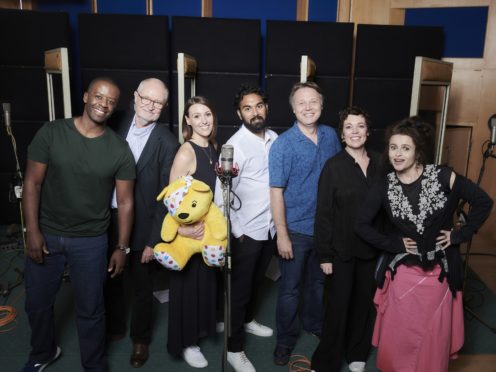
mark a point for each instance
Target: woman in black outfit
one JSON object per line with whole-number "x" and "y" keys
{"x": 419, "y": 324}
{"x": 193, "y": 291}
{"x": 347, "y": 261}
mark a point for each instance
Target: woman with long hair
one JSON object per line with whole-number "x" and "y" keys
{"x": 193, "y": 291}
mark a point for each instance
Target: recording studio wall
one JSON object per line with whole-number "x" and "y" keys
{"x": 24, "y": 37}
{"x": 227, "y": 52}
{"x": 384, "y": 65}
{"x": 329, "y": 45}
{"x": 127, "y": 48}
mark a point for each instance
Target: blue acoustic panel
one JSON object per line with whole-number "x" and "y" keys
{"x": 255, "y": 9}
{"x": 460, "y": 42}
{"x": 178, "y": 8}
{"x": 322, "y": 10}
{"x": 122, "y": 6}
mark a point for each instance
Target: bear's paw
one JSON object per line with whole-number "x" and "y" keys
{"x": 213, "y": 255}
{"x": 167, "y": 261}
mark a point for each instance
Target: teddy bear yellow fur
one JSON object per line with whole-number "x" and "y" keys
{"x": 189, "y": 201}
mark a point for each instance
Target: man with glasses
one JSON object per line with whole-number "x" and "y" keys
{"x": 154, "y": 148}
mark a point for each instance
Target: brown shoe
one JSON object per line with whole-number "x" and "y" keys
{"x": 139, "y": 355}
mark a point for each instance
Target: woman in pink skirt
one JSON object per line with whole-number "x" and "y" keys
{"x": 419, "y": 324}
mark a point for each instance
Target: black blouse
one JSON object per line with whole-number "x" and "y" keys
{"x": 342, "y": 189}
{"x": 434, "y": 211}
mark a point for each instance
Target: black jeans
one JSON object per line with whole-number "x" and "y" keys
{"x": 249, "y": 259}
{"x": 141, "y": 277}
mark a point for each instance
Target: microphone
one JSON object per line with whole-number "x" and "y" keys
{"x": 226, "y": 170}
{"x": 6, "y": 114}
{"x": 226, "y": 159}
{"x": 492, "y": 126}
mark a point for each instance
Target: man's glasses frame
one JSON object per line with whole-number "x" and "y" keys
{"x": 147, "y": 101}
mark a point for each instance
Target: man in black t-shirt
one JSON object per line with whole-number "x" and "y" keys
{"x": 73, "y": 165}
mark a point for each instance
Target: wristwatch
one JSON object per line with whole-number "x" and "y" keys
{"x": 123, "y": 248}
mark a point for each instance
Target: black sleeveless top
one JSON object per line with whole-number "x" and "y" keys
{"x": 204, "y": 170}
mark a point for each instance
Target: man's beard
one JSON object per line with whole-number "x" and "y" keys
{"x": 256, "y": 124}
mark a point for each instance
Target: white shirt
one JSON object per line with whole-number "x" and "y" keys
{"x": 137, "y": 139}
{"x": 250, "y": 214}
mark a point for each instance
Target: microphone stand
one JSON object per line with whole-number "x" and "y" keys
{"x": 225, "y": 178}
{"x": 19, "y": 187}
{"x": 487, "y": 154}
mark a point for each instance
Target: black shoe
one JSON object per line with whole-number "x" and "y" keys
{"x": 281, "y": 355}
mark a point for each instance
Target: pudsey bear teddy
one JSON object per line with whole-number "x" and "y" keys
{"x": 189, "y": 201}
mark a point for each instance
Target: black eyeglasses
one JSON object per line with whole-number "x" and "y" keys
{"x": 147, "y": 101}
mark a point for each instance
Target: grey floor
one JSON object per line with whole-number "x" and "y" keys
{"x": 14, "y": 338}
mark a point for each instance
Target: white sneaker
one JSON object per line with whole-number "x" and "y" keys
{"x": 194, "y": 357}
{"x": 240, "y": 362}
{"x": 258, "y": 329}
{"x": 357, "y": 366}
{"x": 219, "y": 327}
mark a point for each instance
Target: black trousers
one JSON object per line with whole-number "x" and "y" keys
{"x": 349, "y": 315}
{"x": 141, "y": 277}
{"x": 249, "y": 261}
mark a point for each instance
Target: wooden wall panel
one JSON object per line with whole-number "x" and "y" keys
{"x": 490, "y": 45}
{"x": 457, "y": 142}
{"x": 410, "y": 4}
{"x": 370, "y": 12}
{"x": 302, "y": 10}
{"x": 464, "y": 96}
{"x": 14, "y": 4}
{"x": 207, "y": 8}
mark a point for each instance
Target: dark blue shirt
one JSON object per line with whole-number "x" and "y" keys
{"x": 295, "y": 163}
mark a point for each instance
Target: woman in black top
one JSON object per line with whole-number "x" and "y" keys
{"x": 347, "y": 261}
{"x": 419, "y": 323}
{"x": 193, "y": 291}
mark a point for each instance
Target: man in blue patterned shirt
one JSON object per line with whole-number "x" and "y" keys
{"x": 295, "y": 162}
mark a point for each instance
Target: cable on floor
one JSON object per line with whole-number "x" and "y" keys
{"x": 8, "y": 315}
{"x": 299, "y": 363}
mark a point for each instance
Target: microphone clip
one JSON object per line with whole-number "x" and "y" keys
{"x": 225, "y": 176}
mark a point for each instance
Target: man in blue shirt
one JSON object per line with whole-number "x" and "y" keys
{"x": 295, "y": 161}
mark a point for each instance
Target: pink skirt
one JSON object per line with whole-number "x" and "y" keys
{"x": 419, "y": 325}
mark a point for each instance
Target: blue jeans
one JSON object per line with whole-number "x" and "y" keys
{"x": 303, "y": 268}
{"x": 87, "y": 261}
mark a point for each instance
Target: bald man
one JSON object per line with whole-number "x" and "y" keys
{"x": 154, "y": 148}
